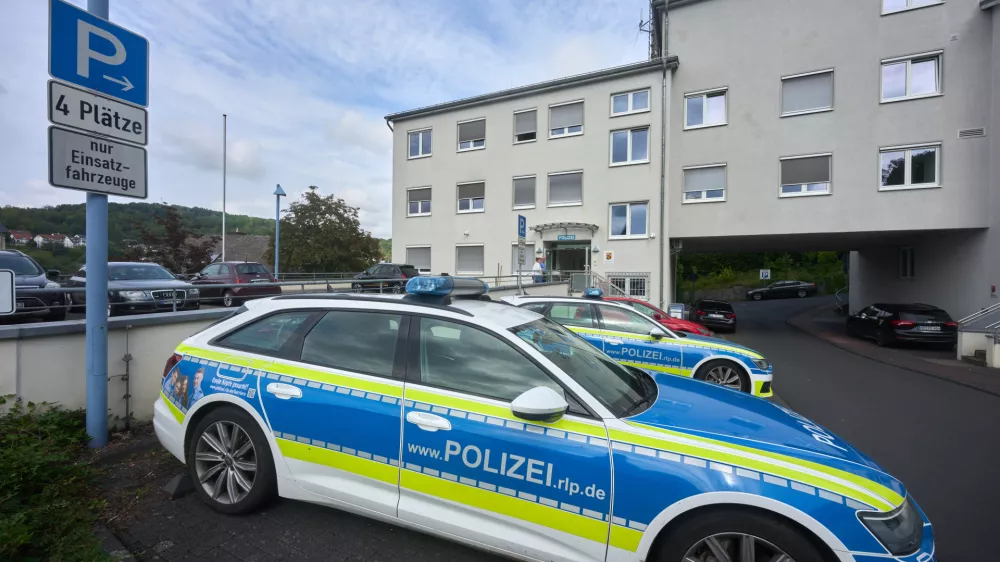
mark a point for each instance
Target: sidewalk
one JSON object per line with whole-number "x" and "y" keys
{"x": 827, "y": 325}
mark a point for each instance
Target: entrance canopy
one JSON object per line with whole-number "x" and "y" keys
{"x": 565, "y": 227}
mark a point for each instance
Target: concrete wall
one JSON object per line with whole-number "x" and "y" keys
{"x": 502, "y": 160}
{"x": 47, "y": 362}
{"x": 748, "y": 46}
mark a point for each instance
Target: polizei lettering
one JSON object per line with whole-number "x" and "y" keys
{"x": 89, "y": 168}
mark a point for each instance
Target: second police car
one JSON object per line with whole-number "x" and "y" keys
{"x": 493, "y": 426}
{"x": 634, "y": 339}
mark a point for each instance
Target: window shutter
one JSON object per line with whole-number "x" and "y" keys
{"x": 419, "y": 194}
{"x": 524, "y": 191}
{"x": 525, "y": 122}
{"x": 472, "y": 191}
{"x": 469, "y": 259}
{"x": 805, "y": 170}
{"x": 569, "y": 115}
{"x": 472, "y": 130}
{"x": 705, "y": 179}
{"x": 807, "y": 92}
{"x": 566, "y": 188}
{"x": 419, "y": 258}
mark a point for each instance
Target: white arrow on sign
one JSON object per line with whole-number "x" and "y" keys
{"x": 126, "y": 85}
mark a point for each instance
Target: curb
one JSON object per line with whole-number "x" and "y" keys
{"x": 802, "y": 320}
{"x": 112, "y": 546}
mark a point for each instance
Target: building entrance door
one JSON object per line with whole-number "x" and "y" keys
{"x": 563, "y": 257}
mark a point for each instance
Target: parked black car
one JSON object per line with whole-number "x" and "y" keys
{"x": 46, "y": 300}
{"x": 384, "y": 277}
{"x": 782, "y": 289}
{"x": 889, "y": 324}
{"x": 718, "y": 315}
{"x": 135, "y": 287}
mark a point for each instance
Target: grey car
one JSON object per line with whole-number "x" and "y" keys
{"x": 782, "y": 289}
{"x": 136, "y": 288}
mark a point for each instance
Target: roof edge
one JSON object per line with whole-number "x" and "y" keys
{"x": 987, "y": 4}
{"x": 557, "y": 84}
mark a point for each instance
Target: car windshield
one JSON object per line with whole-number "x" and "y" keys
{"x": 138, "y": 272}
{"x": 251, "y": 268}
{"x": 924, "y": 316}
{"x": 20, "y": 265}
{"x": 614, "y": 386}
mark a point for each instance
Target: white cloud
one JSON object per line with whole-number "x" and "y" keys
{"x": 305, "y": 85}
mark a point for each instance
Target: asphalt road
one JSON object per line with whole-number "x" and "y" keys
{"x": 939, "y": 438}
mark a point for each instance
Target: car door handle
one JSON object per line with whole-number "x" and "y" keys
{"x": 428, "y": 422}
{"x": 614, "y": 342}
{"x": 284, "y": 391}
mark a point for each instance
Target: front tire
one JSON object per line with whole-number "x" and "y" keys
{"x": 724, "y": 373}
{"x": 757, "y": 296}
{"x": 228, "y": 300}
{"x": 802, "y": 293}
{"x": 739, "y": 534}
{"x": 229, "y": 461}
{"x": 56, "y": 314}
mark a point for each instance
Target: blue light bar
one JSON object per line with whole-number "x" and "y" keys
{"x": 445, "y": 286}
{"x": 593, "y": 293}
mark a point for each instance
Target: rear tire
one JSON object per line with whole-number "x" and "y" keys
{"x": 56, "y": 314}
{"x": 757, "y": 296}
{"x": 230, "y": 463}
{"x": 802, "y": 293}
{"x": 357, "y": 288}
{"x": 228, "y": 300}
{"x": 724, "y": 373}
{"x": 732, "y": 529}
{"x": 881, "y": 340}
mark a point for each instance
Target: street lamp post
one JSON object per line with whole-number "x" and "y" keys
{"x": 278, "y": 194}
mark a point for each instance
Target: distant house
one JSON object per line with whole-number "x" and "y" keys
{"x": 20, "y": 237}
{"x": 79, "y": 240}
{"x": 50, "y": 240}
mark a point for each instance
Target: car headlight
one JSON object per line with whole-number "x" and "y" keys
{"x": 900, "y": 531}
{"x": 51, "y": 285}
{"x": 134, "y": 295}
{"x": 762, "y": 364}
{"x": 194, "y": 293}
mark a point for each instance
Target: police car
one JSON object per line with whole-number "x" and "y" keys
{"x": 494, "y": 426}
{"x": 634, "y": 339}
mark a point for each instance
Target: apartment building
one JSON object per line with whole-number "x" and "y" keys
{"x": 856, "y": 125}
{"x": 579, "y": 157}
{"x": 865, "y": 126}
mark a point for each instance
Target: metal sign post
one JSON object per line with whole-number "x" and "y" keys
{"x": 522, "y": 231}
{"x": 87, "y": 50}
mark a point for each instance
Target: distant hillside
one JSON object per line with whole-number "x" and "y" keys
{"x": 123, "y": 218}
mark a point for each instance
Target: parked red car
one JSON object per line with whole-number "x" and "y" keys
{"x": 248, "y": 274}
{"x": 675, "y": 324}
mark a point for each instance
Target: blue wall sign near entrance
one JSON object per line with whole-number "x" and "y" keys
{"x": 566, "y": 237}
{"x": 91, "y": 52}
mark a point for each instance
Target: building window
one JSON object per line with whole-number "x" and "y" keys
{"x": 909, "y": 167}
{"x": 566, "y": 119}
{"x": 525, "y": 126}
{"x": 703, "y": 184}
{"x": 469, "y": 259}
{"x": 418, "y": 201}
{"x": 911, "y": 77}
{"x": 471, "y": 197}
{"x": 705, "y": 109}
{"x": 893, "y": 6}
{"x": 420, "y": 143}
{"x": 630, "y": 102}
{"x": 806, "y": 175}
{"x": 807, "y": 93}
{"x": 524, "y": 192}
{"x": 472, "y": 135}
{"x": 630, "y": 146}
{"x": 419, "y": 257}
{"x": 629, "y": 220}
{"x": 565, "y": 189}
{"x": 529, "y": 259}
{"x": 906, "y": 263}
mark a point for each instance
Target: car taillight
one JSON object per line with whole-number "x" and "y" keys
{"x": 951, "y": 324}
{"x": 171, "y": 363}
{"x": 731, "y": 315}
{"x": 903, "y": 323}
{"x": 403, "y": 275}
{"x": 699, "y": 312}
{"x": 238, "y": 281}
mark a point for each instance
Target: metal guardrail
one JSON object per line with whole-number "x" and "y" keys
{"x": 842, "y": 299}
{"x": 981, "y": 314}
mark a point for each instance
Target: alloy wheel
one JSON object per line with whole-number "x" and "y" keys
{"x": 356, "y": 287}
{"x": 802, "y": 293}
{"x": 735, "y": 547}
{"x": 726, "y": 376}
{"x": 227, "y": 299}
{"x": 226, "y": 462}
{"x": 757, "y": 296}
{"x": 396, "y": 289}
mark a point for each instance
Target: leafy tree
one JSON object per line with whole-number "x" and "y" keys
{"x": 177, "y": 248}
{"x": 323, "y": 234}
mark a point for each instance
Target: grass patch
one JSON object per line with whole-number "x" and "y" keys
{"x": 48, "y": 499}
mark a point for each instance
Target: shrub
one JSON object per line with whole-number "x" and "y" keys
{"x": 48, "y": 507}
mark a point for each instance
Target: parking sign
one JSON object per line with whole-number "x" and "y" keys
{"x": 765, "y": 275}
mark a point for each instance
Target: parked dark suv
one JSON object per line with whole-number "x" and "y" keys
{"x": 889, "y": 324}
{"x": 46, "y": 299}
{"x": 715, "y": 314}
{"x": 384, "y": 277}
{"x": 249, "y": 275}
{"x": 136, "y": 288}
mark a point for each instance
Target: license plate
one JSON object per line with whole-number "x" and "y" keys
{"x": 930, "y": 328}
{"x": 168, "y": 302}
{"x": 258, "y": 280}
{"x": 20, "y": 305}
{"x": 715, "y": 316}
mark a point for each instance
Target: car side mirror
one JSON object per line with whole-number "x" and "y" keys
{"x": 52, "y": 273}
{"x": 657, "y": 333}
{"x": 539, "y": 404}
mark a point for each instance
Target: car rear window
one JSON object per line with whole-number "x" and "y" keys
{"x": 251, "y": 268}
{"x": 924, "y": 316}
{"x": 720, "y": 306}
{"x": 409, "y": 271}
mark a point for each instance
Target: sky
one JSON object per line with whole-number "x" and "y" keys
{"x": 305, "y": 84}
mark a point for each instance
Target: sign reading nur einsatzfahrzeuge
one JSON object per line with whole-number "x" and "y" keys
{"x": 79, "y": 161}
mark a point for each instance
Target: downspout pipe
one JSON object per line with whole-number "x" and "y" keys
{"x": 664, "y": 124}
